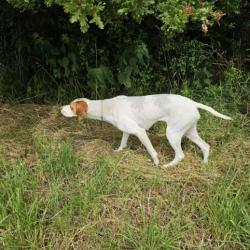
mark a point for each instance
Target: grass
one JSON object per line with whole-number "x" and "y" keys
{"x": 63, "y": 186}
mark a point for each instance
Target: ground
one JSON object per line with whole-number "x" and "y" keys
{"x": 64, "y": 187}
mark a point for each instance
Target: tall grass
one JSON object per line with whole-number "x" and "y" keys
{"x": 62, "y": 200}
{"x": 22, "y": 219}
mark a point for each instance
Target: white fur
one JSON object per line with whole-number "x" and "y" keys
{"x": 67, "y": 112}
{"x": 136, "y": 114}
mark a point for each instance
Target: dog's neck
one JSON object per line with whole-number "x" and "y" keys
{"x": 95, "y": 109}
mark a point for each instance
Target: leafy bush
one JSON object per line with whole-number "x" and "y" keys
{"x": 122, "y": 47}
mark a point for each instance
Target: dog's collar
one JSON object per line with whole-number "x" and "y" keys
{"x": 101, "y": 110}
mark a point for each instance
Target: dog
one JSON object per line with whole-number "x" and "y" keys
{"x": 136, "y": 114}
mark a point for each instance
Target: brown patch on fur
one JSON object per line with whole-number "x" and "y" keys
{"x": 79, "y": 108}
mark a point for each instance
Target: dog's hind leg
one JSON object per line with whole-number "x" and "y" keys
{"x": 174, "y": 137}
{"x": 176, "y": 130}
{"x": 193, "y": 135}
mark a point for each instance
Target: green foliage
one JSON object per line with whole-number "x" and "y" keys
{"x": 131, "y": 62}
{"x": 233, "y": 89}
{"x": 100, "y": 80}
{"x": 173, "y": 14}
{"x": 236, "y": 84}
{"x": 136, "y": 8}
{"x": 190, "y": 68}
{"x": 126, "y": 47}
{"x": 24, "y": 5}
{"x": 62, "y": 61}
{"x": 80, "y": 10}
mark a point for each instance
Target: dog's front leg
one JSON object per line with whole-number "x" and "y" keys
{"x": 129, "y": 126}
{"x": 124, "y": 141}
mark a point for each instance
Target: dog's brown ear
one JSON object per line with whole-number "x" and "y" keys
{"x": 79, "y": 108}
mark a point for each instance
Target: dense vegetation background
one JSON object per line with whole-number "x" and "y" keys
{"x": 55, "y": 50}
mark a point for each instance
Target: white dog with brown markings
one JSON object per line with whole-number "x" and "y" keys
{"x": 136, "y": 114}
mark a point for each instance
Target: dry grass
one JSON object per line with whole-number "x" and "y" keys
{"x": 89, "y": 197}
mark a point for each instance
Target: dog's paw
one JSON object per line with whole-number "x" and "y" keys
{"x": 156, "y": 161}
{"x": 168, "y": 165}
{"x": 165, "y": 166}
{"x": 118, "y": 149}
{"x": 205, "y": 161}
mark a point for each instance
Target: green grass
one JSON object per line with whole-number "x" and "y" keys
{"x": 63, "y": 187}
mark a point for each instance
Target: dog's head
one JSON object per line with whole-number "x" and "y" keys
{"x": 77, "y": 108}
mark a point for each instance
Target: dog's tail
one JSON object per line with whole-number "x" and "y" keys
{"x": 211, "y": 110}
